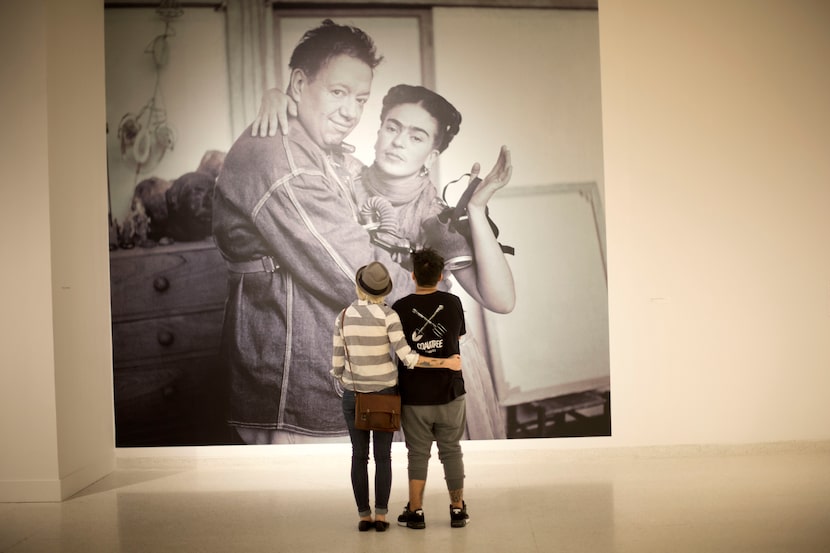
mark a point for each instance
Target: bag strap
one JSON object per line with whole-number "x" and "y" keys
{"x": 345, "y": 347}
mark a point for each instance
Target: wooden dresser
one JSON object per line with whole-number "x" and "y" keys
{"x": 167, "y": 307}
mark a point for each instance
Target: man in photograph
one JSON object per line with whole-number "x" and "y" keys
{"x": 286, "y": 223}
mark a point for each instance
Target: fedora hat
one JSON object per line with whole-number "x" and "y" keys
{"x": 374, "y": 279}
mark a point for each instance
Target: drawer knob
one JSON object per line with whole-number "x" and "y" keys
{"x": 161, "y": 284}
{"x": 165, "y": 337}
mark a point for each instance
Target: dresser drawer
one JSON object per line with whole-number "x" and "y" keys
{"x": 167, "y": 309}
{"x": 192, "y": 334}
{"x": 166, "y": 279}
{"x": 171, "y": 403}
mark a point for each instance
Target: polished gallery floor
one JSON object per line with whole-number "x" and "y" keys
{"x": 762, "y": 498}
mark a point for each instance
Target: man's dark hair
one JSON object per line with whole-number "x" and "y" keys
{"x": 448, "y": 118}
{"x": 330, "y": 40}
{"x": 428, "y": 266}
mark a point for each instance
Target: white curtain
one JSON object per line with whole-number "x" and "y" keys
{"x": 250, "y": 30}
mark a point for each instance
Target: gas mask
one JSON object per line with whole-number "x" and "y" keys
{"x": 449, "y": 232}
{"x": 378, "y": 218}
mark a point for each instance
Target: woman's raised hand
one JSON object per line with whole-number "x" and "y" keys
{"x": 274, "y": 110}
{"x": 496, "y": 179}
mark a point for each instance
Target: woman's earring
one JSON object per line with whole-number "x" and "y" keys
{"x": 424, "y": 171}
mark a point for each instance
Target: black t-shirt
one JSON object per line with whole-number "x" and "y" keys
{"x": 432, "y": 324}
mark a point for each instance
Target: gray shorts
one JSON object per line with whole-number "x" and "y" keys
{"x": 443, "y": 424}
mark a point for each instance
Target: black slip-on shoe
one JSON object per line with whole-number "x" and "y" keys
{"x": 365, "y": 525}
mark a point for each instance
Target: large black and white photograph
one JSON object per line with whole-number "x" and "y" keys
{"x": 267, "y": 162}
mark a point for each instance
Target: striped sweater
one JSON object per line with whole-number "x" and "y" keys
{"x": 372, "y": 332}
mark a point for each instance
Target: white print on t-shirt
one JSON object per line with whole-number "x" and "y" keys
{"x": 431, "y": 345}
{"x": 437, "y": 328}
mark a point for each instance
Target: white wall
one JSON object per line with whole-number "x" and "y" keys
{"x": 717, "y": 133}
{"x": 80, "y": 262}
{"x": 715, "y": 125}
{"x": 56, "y": 391}
{"x": 27, "y": 392}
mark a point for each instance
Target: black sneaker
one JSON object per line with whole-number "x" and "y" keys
{"x": 459, "y": 517}
{"x": 412, "y": 519}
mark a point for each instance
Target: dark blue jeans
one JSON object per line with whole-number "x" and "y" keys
{"x": 382, "y": 449}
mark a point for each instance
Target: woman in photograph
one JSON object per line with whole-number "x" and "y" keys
{"x": 403, "y": 212}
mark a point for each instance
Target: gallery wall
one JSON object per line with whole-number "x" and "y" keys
{"x": 55, "y": 393}
{"x": 715, "y": 126}
{"x": 28, "y": 361}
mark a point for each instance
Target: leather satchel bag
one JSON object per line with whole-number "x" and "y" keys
{"x": 378, "y": 412}
{"x": 373, "y": 411}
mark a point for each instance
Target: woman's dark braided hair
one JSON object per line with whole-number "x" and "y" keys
{"x": 448, "y": 118}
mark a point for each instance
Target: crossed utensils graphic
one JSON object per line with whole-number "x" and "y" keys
{"x": 439, "y": 329}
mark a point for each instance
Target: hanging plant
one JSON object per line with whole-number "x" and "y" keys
{"x": 146, "y": 136}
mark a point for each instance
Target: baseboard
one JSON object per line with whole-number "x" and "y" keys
{"x": 52, "y": 491}
{"x": 30, "y": 491}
